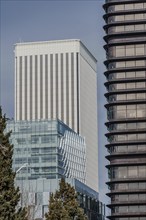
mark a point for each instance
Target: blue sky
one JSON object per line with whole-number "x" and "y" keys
{"x": 51, "y": 20}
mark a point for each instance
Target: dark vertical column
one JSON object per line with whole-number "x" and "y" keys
{"x": 46, "y": 85}
{"x": 62, "y": 88}
{"x": 72, "y": 88}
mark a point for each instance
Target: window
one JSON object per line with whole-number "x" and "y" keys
{"x": 142, "y": 171}
{"x": 139, "y": 16}
{"x": 131, "y": 125}
{"x": 122, "y": 172}
{"x": 48, "y": 159}
{"x": 132, "y": 171}
{"x": 133, "y": 197}
{"x": 131, "y": 137}
{"x": 130, "y": 63}
{"x": 142, "y": 208}
{"x": 140, "y": 49}
{"x": 141, "y": 95}
{"x": 140, "y": 74}
{"x": 123, "y": 209}
{"x": 141, "y": 125}
{"x": 33, "y": 160}
{"x": 129, "y": 6}
{"x": 119, "y": 7}
{"x": 34, "y": 150}
{"x": 130, "y": 85}
{"x": 21, "y": 140}
{"x": 130, "y": 50}
{"x": 131, "y": 96}
{"x": 133, "y": 186}
{"x": 139, "y": 5}
{"x": 140, "y": 85}
{"x": 142, "y": 185}
{"x": 48, "y": 150}
{"x": 129, "y": 27}
{"x": 34, "y": 139}
{"x": 48, "y": 169}
{"x": 132, "y": 148}
{"x": 140, "y": 63}
{"x": 20, "y": 160}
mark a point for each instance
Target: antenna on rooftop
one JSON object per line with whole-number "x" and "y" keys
{"x": 20, "y": 40}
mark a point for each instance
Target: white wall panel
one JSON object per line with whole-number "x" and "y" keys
{"x": 38, "y": 97}
{"x": 28, "y": 88}
{"x": 17, "y": 86}
{"x": 44, "y": 88}
{"x": 88, "y": 118}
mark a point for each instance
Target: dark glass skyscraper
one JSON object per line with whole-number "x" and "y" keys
{"x": 126, "y": 107}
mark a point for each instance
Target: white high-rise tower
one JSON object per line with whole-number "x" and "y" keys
{"x": 57, "y": 79}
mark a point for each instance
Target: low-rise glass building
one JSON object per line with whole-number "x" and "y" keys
{"x": 35, "y": 195}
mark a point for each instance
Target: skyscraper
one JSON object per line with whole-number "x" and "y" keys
{"x": 126, "y": 107}
{"x": 57, "y": 79}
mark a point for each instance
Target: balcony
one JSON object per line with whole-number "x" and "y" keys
{"x": 126, "y": 214}
{"x": 126, "y": 180}
{"x": 125, "y": 191}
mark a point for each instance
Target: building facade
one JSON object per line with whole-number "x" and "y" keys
{"x": 57, "y": 79}
{"x": 126, "y": 107}
{"x": 36, "y": 194}
{"x": 44, "y": 152}
{"x": 47, "y": 149}
{"x": 73, "y": 151}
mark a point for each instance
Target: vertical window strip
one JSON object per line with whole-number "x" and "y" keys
{"x": 72, "y": 88}
{"x": 25, "y": 88}
{"x": 51, "y": 83}
{"x": 20, "y": 87}
{"x": 56, "y": 64}
{"x": 67, "y": 90}
{"x": 16, "y": 89}
{"x": 30, "y": 87}
{"x": 62, "y": 87}
{"x": 77, "y": 55}
{"x": 36, "y": 86}
{"x": 41, "y": 86}
{"x": 46, "y": 85}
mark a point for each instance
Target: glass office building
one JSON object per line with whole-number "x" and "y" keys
{"x": 126, "y": 107}
{"x": 47, "y": 149}
{"x": 44, "y": 152}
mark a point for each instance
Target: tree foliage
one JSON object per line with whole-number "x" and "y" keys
{"x": 63, "y": 204}
{"x": 9, "y": 195}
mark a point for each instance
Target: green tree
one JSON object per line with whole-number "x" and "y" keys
{"x": 63, "y": 204}
{"x": 9, "y": 195}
